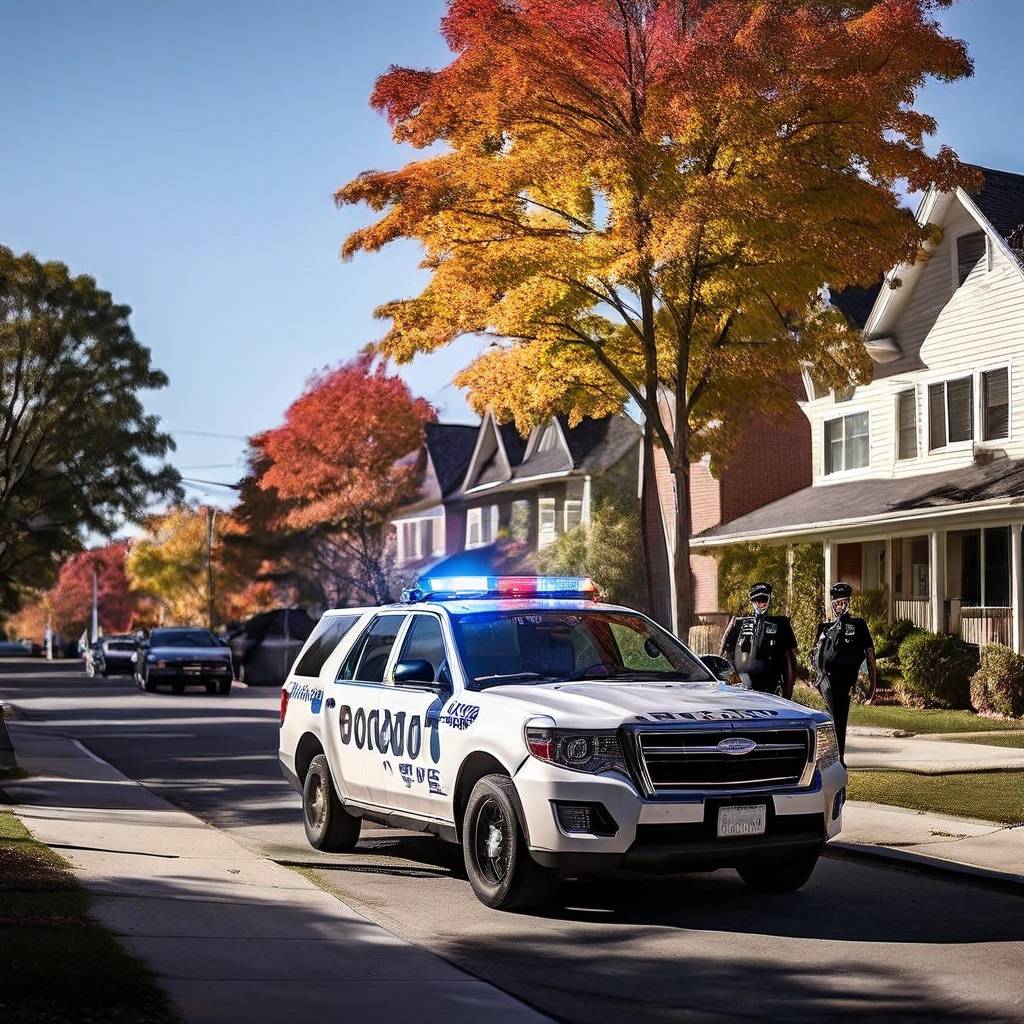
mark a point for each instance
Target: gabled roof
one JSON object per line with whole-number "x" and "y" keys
{"x": 450, "y": 446}
{"x": 592, "y": 446}
{"x": 1000, "y": 199}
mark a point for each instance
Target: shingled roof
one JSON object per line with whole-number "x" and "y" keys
{"x": 825, "y": 506}
{"x": 1001, "y": 199}
{"x": 451, "y": 447}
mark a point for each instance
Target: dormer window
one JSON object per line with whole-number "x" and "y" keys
{"x": 971, "y": 255}
{"x": 847, "y": 443}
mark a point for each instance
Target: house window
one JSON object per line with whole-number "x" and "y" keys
{"x": 906, "y": 424}
{"x": 572, "y": 513}
{"x": 418, "y": 538}
{"x": 950, "y": 412}
{"x": 971, "y": 254}
{"x": 481, "y": 526}
{"x": 408, "y": 542}
{"x": 546, "y": 531}
{"x": 846, "y": 443}
{"x": 985, "y": 568}
{"x": 995, "y": 404}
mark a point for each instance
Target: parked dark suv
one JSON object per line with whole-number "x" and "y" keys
{"x": 265, "y": 647}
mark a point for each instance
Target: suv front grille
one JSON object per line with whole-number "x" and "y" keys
{"x": 692, "y": 759}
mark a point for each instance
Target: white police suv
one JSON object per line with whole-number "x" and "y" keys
{"x": 553, "y": 736}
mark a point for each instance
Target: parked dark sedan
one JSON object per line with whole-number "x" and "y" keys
{"x": 183, "y": 656}
{"x": 267, "y": 645}
{"x": 111, "y": 655}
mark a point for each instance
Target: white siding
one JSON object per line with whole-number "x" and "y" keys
{"x": 944, "y": 332}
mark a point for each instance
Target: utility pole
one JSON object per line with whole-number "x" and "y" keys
{"x": 94, "y": 631}
{"x": 211, "y": 515}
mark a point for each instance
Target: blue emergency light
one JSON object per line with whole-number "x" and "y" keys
{"x": 440, "y": 588}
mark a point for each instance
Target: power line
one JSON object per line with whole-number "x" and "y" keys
{"x": 213, "y": 483}
{"x": 208, "y": 433}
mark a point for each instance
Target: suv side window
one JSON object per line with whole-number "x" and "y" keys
{"x": 424, "y": 641}
{"x": 369, "y": 657}
{"x": 326, "y": 637}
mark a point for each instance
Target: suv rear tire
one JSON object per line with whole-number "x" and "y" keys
{"x": 328, "y": 825}
{"x": 501, "y": 871}
{"x": 780, "y": 876}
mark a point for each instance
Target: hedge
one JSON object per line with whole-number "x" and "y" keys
{"x": 998, "y": 685}
{"x": 936, "y": 671}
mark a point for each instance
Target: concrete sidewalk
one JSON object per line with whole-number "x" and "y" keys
{"x": 230, "y": 935}
{"x": 927, "y": 755}
{"x": 978, "y": 848}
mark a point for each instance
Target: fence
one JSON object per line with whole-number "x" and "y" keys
{"x": 986, "y": 626}
{"x": 917, "y": 609}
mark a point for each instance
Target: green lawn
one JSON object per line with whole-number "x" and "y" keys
{"x": 991, "y": 796}
{"x": 57, "y": 966}
{"x": 911, "y": 720}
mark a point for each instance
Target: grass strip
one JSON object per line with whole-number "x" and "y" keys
{"x": 990, "y": 796}
{"x": 57, "y": 966}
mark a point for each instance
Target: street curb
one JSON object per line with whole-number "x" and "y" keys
{"x": 935, "y": 867}
{"x": 7, "y": 756}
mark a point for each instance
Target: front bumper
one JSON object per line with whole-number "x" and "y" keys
{"x": 671, "y": 835}
{"x": 178, "y": 674}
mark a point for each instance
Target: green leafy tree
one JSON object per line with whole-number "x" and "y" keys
{"x": 78, "y": 453}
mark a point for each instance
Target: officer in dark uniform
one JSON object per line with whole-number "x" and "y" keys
{"x": 840, "y": 647}
{"x": 762, "y": 647}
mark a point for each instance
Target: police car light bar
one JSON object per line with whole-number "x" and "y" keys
{"x": 437, "y": 588}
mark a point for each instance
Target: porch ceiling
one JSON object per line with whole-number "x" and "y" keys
{"x": 821, "y": 510}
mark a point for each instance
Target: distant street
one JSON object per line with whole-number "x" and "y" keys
{"x": 858, "y": 943}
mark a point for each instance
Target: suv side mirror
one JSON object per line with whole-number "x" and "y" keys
{"x": 416, "y": 670}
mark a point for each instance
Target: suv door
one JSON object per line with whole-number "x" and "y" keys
{"x": 410, "y": 710}
{"x": 356, "y": 733}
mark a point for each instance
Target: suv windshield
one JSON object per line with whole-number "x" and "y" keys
{"x": 542, "y": 646}
{"x": 182, "y": 638}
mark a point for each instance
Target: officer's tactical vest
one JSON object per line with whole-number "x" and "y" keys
{"x": 839, "y": 647}
{"x": 758, "y": 651}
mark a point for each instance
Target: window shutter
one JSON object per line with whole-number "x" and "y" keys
{"x": 906, "y": 413}
{"x": 971, "y": 251}
{"x": 960, "y": 398}
{"x": 936, "y": 416}
{"x": 995, "y": 391}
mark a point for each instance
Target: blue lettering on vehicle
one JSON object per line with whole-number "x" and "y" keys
{"x": 314, "y": 695}
{"x": 434, "y": 782}
{"x": 399, "y": 733}
{"x": 460, "y": 716}
{"x": 406, "y": 771}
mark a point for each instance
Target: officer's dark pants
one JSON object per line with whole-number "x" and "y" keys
{"x": 837, "y": 689}
{"x": 763, "y": 683}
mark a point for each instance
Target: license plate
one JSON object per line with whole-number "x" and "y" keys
{"x": 743, "y": 820}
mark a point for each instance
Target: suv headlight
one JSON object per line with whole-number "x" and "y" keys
{"x": 579, "y": 751}
{"x": 826, "y": 746}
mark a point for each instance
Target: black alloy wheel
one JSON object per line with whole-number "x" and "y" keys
{"x": 498, "y": 863}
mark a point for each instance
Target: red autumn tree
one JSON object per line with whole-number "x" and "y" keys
{"x": 71, "y": 596}
{"x": 334, "y": 466}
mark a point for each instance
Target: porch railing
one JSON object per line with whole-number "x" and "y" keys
{"x": 917, "y": 609}
{"x": 986, "y": 625}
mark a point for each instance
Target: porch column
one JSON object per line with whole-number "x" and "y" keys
{"x": 1016, "y": 588}
{"x": 830, "y": 571}
{"x": 937, "y": 574}
{"x": 890, "y": 575}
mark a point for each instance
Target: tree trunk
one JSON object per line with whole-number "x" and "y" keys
{"x": 681, "y": 558}
{"x": 652, "y": 535}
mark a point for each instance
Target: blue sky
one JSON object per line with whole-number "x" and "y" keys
{"x": 185, "y": 154}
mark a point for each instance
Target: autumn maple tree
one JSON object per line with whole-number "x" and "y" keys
{"x": 71, "y": 596}
{"x": 336, "y": 466}
{"x": 642, "y": 199}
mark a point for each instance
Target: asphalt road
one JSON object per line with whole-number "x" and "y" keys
{"x": 859, "y": 942}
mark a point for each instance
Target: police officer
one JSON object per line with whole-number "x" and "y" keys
{"x": 840, "y": 647}
{"x": 762, "y": 647}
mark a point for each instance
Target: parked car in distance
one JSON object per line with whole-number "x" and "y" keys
{"x": 16, "y": 649}
{"x": 111, "y": 655}
{"x": 265, "y": 647}
{"x": 183, "y": 656}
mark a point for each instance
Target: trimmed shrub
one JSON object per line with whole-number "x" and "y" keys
{"x": 998, "y": 685}
{"x": 887, "y": 642}
{"x": 809, "y": 697}
{"x": 936, "y": 670}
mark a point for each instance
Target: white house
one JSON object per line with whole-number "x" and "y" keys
{"x": 918, "y": 477}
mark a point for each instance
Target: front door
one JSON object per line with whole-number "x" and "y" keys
{"x": 414, "y": 778}
{"x": 355, "y": 730}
